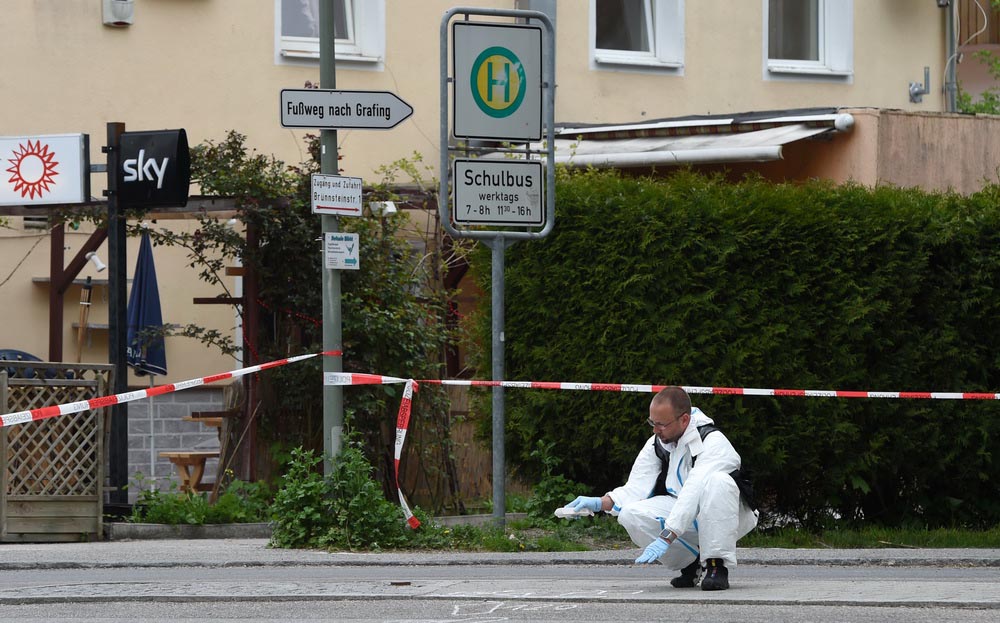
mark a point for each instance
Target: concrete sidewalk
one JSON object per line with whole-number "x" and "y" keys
{"x": 32, "y": 569}
{"x": 255, "y": 552}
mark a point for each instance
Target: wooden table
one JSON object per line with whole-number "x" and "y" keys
{"x": 195, "y": 464}
{"x": 213, "y": 422}
{"x": 191, "y": 467}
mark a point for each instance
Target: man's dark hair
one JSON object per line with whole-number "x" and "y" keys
{"x": 676, "y": 397}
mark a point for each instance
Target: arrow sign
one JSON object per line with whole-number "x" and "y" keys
{"x": 327, "y": 108}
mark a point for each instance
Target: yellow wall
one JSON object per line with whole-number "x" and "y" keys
{"x": 210, "y": 66}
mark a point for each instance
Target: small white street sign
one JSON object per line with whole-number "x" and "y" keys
{"x": 38, "y": 170}
{"x": 341, "y": 250}
{"x": 498, "y": 192}
{"x": 331, "y": 109}
{"x": 336, "y": 195}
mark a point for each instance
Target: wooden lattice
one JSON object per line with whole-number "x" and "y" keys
{"x": 51, "y": 471}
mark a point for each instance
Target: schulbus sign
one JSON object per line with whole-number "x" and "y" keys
{"x": 40, "y": 170}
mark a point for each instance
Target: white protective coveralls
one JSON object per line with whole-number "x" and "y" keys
{"x": 707, "y": 512}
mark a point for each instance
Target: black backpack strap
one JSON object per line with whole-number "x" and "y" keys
{"x": 660, "y": 488}
{"x": 704, "y": 430}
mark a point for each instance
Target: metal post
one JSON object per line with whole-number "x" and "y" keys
{"x": 951, "y": 52}
{"x": 498, "y": 245}
{"x": 117, "y": 322}
{"x": 56, "y": 291}
{"x": 333, "y": 395}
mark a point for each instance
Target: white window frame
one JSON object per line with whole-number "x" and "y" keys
{"x": 836, "y": 46}
{"x": 365, "y": 47}
{"x": 666, "y": 36}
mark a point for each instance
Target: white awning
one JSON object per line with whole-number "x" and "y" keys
{"x": 756, "y": 146}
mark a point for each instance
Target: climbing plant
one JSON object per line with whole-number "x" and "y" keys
{"x": 393, "y": 307}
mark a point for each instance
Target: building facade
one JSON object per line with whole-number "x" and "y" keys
{"x": 210, "y": 66}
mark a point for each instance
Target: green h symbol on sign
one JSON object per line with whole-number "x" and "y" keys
{"x": 485, "y": 78}
{"x": 491, "y": 82}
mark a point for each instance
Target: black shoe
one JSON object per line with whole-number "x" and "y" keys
{"x": 716, "y": 576}
{"x": 689, "y": 576}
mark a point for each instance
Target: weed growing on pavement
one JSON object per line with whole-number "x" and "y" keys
{"x": 347, "y": 510}
{"x": 553, "y": 490}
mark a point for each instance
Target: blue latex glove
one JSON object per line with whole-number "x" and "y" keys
{"x": 653, "y": 551}
{"x": 582, "y": 502}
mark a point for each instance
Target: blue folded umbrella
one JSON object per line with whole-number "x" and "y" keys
{"x": 145, "y": 350}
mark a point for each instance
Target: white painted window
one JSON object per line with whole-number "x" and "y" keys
{"x": 359, "y": 28}
{"x": 809, "y": 37}
{"x": 640, "y": 33}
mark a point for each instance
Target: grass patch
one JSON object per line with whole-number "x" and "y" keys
{"x": 874, "y": 538}
{"x": 604, "y": 533}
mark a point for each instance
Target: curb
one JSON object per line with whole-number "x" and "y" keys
{"x": 120, "y": 531}
{"x": 135, "y": 531}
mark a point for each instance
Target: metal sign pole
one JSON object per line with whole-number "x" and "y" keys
{"x": 493, "y": 178}
{"x": 333, "y": 395}
{"x": 117, "y": 321}
{"x": 498, "y": 245}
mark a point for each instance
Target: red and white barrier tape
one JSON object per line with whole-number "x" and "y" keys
{"x": 402, "y": 424}
{"x": 370, "y": 379}
{"x": 405, "y": 406}
{"x": 42, "y": 413}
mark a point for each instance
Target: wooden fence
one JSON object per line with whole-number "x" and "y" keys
{"x": 52, "y": 470}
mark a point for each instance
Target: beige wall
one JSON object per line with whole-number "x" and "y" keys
{"x": 724, "y": 60}
{"x": 932, "y": 151}
{"x": 210, "y": 66}
{"x": 24, "y": 302}
{"x": 939, "y": 152}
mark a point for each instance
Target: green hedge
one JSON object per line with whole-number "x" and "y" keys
{"x": 696, "y": 281}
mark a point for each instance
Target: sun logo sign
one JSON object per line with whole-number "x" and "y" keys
{"x": 32, "y": 169}
{"x": 498, "y": 82}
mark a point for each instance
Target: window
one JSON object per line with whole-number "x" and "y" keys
{"x": 644, "y": 33}
{"x": 793, "y": 30}
{"x": 359, "y": 28}
{"x": 812, "y": 37}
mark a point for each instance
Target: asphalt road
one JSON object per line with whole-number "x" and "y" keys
{"x": 244, "y": 580}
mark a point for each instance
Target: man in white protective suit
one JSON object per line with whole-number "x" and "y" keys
{"x": 682, "y": 502}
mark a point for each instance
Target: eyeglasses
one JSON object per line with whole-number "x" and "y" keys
{"x": 660, "y": 425}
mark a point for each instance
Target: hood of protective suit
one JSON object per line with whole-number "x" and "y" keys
{"x": 690, "y": 435}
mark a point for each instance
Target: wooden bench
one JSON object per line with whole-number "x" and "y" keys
{"x": 191, "y": 467}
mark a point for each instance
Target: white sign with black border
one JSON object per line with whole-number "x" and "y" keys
{"x": 341, "y": 250}
{"x": 336, "y": 195}
{"x": 498, "y": 192}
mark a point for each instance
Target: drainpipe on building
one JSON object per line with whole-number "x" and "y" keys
{"x": 951, "y": 59}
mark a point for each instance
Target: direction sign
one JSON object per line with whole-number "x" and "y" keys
{"x": 341, "y": 251}
{"x": 337, "y": 195}
{"x": 327, "y": 108}
{"x": 498, "y": 192}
